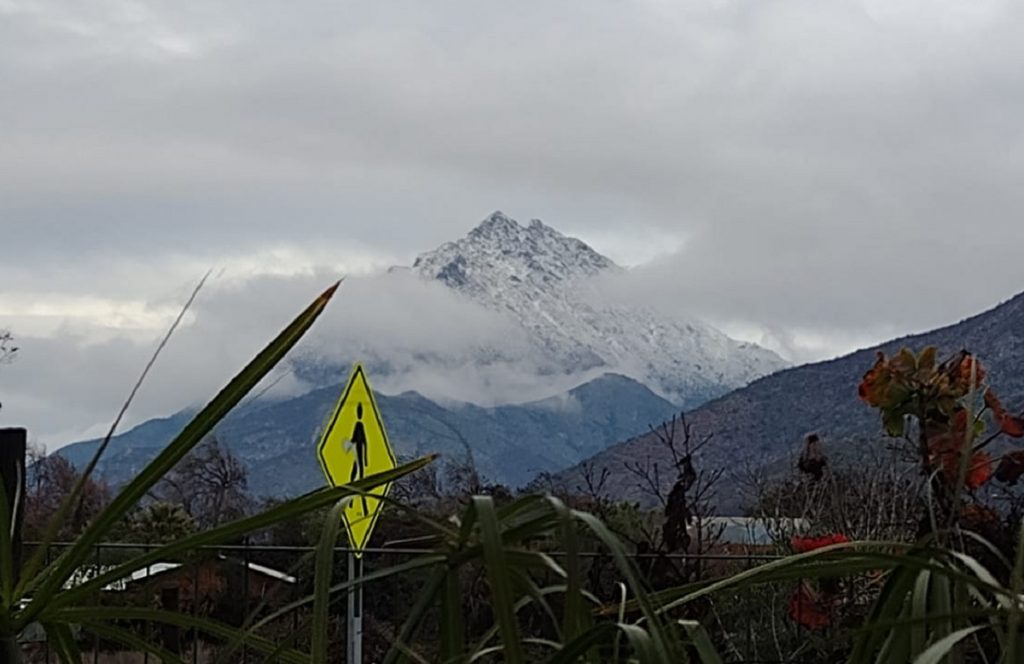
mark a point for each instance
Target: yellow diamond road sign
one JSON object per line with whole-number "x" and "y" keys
{"x": 353, "y": 446}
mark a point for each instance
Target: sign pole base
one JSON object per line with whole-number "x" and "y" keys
{"x": 355, "y": 611}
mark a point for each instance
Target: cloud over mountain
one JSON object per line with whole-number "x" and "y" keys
{"x": 509, "y": 313}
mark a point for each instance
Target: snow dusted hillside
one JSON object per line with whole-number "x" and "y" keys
{"x": 545, "y": 281}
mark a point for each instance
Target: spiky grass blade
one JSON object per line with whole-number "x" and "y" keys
{"x": 453, "y": 633}
{"x": 587, "y": 641}
{"x": 503, "y": 601}
{"x": 1012, "y": 638}
{"x": 698, "y": 636}
{"x": 662, "y": 643}
{"x": 62, "y": 641}
{"x": 401, "y": 648}
{"x": 919, "y": 609}
{"x": 6, "y": 561}
{"x": 938, "y": 650}
{"x": 577, "y": 617}
{"x": 322, "y": 580}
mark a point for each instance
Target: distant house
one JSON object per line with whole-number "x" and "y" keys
{"x": 224, "y": 587}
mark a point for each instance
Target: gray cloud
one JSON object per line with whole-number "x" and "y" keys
{"x": 70, "y": 383}
{"x": 813, "y": 175}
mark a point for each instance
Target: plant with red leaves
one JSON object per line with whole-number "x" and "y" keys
{"x": 951, "y": 430}
{"x": 805, "y": 544}
{"x": 810, "y": 608}
{"x": 1011, "y": 425}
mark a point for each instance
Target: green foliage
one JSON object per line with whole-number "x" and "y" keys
{"x": 159, "y": 523}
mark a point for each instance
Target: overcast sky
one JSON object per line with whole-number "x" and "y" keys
{"x": 813, "y": 175}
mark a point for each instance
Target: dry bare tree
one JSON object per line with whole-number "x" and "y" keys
{"x": 686, "y": 526}
{"x": 48, "y": 481}
{"x": 211, "y": 484}
{"x": 688, "y": 502}
{"x": 878, "y": 497}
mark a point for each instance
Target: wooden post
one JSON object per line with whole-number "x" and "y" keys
{"x": 12, "y": 471}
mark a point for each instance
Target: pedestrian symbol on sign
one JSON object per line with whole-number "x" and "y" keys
{"x": 358, "y": 441}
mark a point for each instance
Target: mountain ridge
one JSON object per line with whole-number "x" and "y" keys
{"x": 277, "y": 440}
{"x": 764, "y": 423}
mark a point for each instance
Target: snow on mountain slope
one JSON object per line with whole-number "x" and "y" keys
{"x": 545, "y": 281}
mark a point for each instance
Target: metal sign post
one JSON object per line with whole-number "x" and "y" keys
{"x": 355, "y": 610}
{"x": 354, "y": 446}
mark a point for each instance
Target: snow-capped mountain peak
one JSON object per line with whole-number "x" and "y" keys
{"x": 545, "y": 281}
{"x": 501, "y": 251}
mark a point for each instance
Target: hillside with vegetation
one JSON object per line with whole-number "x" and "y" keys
{"x": 764, "y": 424}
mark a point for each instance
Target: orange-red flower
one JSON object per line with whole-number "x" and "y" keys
{"x": 994, "y": 404}
{"x": 805, "y": 544}
{"x": 872, "y": 385}
{"x": 970, "y": 372}
{"x": 808, "y": 608}
{"x": 946, "y": 447}
{"x": 1011, "y": 425}
{"x": 979, "y": 471}
{"x": 946, "y": 443}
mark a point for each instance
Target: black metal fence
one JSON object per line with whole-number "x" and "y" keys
{"x": 242, "y": 585}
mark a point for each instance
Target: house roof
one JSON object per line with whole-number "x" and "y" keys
{"x": 87, "y": 572}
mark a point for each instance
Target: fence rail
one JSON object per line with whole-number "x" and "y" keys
{"x": 411, "y": 551}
